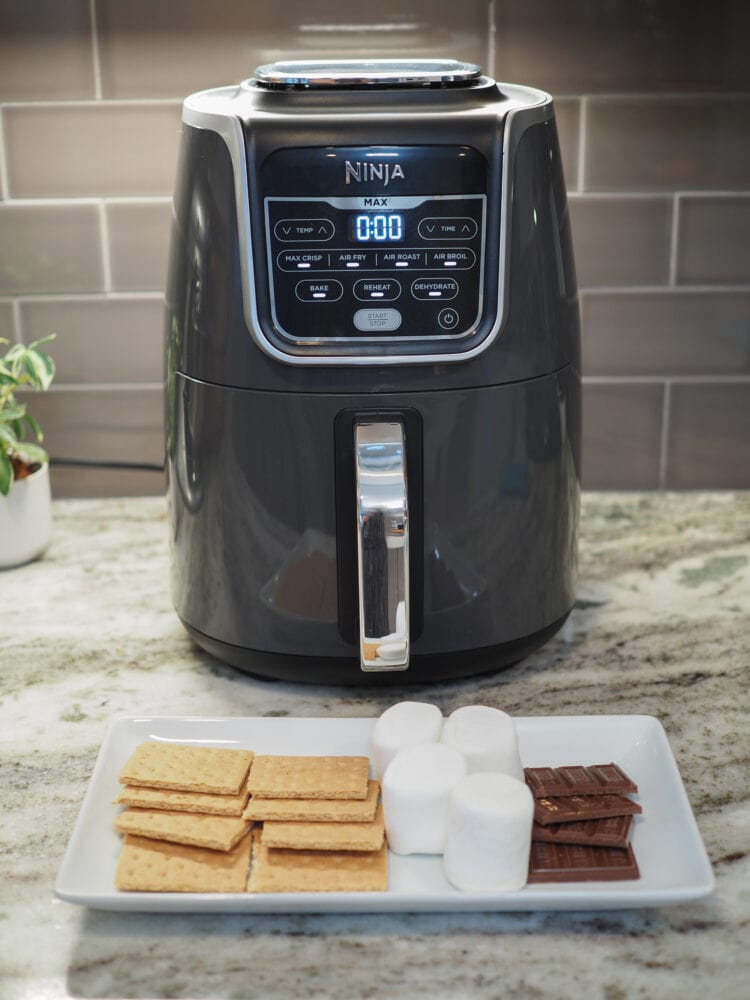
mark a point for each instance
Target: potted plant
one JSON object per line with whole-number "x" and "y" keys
{"x": 25, "y": 504}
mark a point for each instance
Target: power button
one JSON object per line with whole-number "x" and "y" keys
{"x": 448, "y": 319}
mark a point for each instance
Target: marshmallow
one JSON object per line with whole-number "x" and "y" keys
{"x": 403, "y": 725}
{"x": 416, "y": 786}
{"x": 488, "y": 833}
{"x": 486, "y": 737}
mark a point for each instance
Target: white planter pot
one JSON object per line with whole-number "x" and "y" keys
{"x": 25, "y": 519}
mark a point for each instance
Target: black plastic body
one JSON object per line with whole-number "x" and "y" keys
{"x": 260, "y": 471}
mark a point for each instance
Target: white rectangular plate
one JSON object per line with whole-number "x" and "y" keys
{"x": 667, "y": 845}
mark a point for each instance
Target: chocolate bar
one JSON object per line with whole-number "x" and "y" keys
{"x": 610, "y": 832}
{"x": 597, "y": 779}
{"x": 580, "y": 807}
{"x": 576, "y": 863}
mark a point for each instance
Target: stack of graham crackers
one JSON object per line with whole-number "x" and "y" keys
{"x": 322, "y": 829}
{"x": 187, "y": 825}
{"x": 582, "y": 824}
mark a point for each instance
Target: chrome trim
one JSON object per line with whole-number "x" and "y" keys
{"x": 223, "y": 110}
{"x": 382, "y": 546}
{"x": 326, "y": 73}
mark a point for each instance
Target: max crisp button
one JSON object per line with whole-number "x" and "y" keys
{"x": 377, "y": 320}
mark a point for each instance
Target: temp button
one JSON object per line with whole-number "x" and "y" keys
{"x": 377, "y": 320}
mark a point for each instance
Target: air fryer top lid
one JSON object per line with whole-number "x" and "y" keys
{"x": 358, "y": 73}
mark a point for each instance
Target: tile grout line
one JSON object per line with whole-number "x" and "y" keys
{"x": 4, "y": 192}
{"x": 673, "y": 238}
{"x": 106, "y": 257}
{"x": 95, "y": 50}
{"x": 491, "y": 39}
{"x": 713, "y": 379}
{"x": 582, "y": 119}
{"x": 666, "y": 406}
{"x": 15, "y": 306}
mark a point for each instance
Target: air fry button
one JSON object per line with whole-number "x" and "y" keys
{"x": 324, "y": 290}
{"x": 434, "y": 288}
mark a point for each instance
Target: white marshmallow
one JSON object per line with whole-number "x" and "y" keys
{"x": 416, "y": 787}
{"x": 488, "y": 834}
{"x": 403, "y": 725}
{"x": 486, "y": 737}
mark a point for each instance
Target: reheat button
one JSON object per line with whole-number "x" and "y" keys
{"x": 376, "y": 289}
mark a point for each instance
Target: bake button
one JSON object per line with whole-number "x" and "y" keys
{"x": 376, "y": 289}
{"x": 377, "y": 320}
{"x": 325, "y": 290}
{"x": 448, "y": 319}
{"x": 434, "y": 288}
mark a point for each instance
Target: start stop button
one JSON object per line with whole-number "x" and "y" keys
{"x": 377, "y": 320}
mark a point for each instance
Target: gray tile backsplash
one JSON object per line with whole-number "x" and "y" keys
{"x": 50, "y": 248}
{"x": 653, "y": 108}
{"x": 174, "y": 47}
{"x": 666, "y": 332}
{"x": 622, "y": 435}
{"x": 120, "y": 424}
{"x": 666, "y": 144}
{"x": 714, "y": 239}
{"x": 621, "y": 241}
{"x": 621, "y": 46}
{"x": 85, "y": 150}
{"x": 98, "y": 339}
{"x": 709, "y": 437}
{"x": 139, "y": 245}
{"x": 46, "y": 50}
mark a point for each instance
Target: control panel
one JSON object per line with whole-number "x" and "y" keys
{"x": 365, "y": 266}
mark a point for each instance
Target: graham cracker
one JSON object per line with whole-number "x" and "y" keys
{"x": 157, "y": 866}
{"x": 326, "y": 836}
{"x": 187, "y": 768}
{"x": 282, "y": 777}
{"x": 219, "y": 833}
{"x": 192, "y": 802}
{"x": 279, "y": 870}
{"x": 316, "y": 810}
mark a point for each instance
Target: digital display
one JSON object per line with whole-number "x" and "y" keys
{"x": 376, "y": 227}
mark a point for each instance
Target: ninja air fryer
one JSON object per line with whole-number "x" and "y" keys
{"x": 373, "y": 427}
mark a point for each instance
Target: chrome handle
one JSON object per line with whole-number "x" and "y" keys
{"x": 382, "y": 546}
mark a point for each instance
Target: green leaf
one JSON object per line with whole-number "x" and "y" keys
{"x": 31, "y": 452}
{"x": 8, "y": 437}
{"x": 6, "y": 474}
{"x": 36, "y": 370}
{"x": 14, "y": 412}
{"x": 34, "y": 427}
{"x": 42, "y": 340}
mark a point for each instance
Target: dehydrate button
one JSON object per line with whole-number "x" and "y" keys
{"x": 434, "y": 288}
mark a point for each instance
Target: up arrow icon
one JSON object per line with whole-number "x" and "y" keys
{"x": 466, "y": 228}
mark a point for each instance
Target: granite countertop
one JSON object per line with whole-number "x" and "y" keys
{"x": 661, "y": 628}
